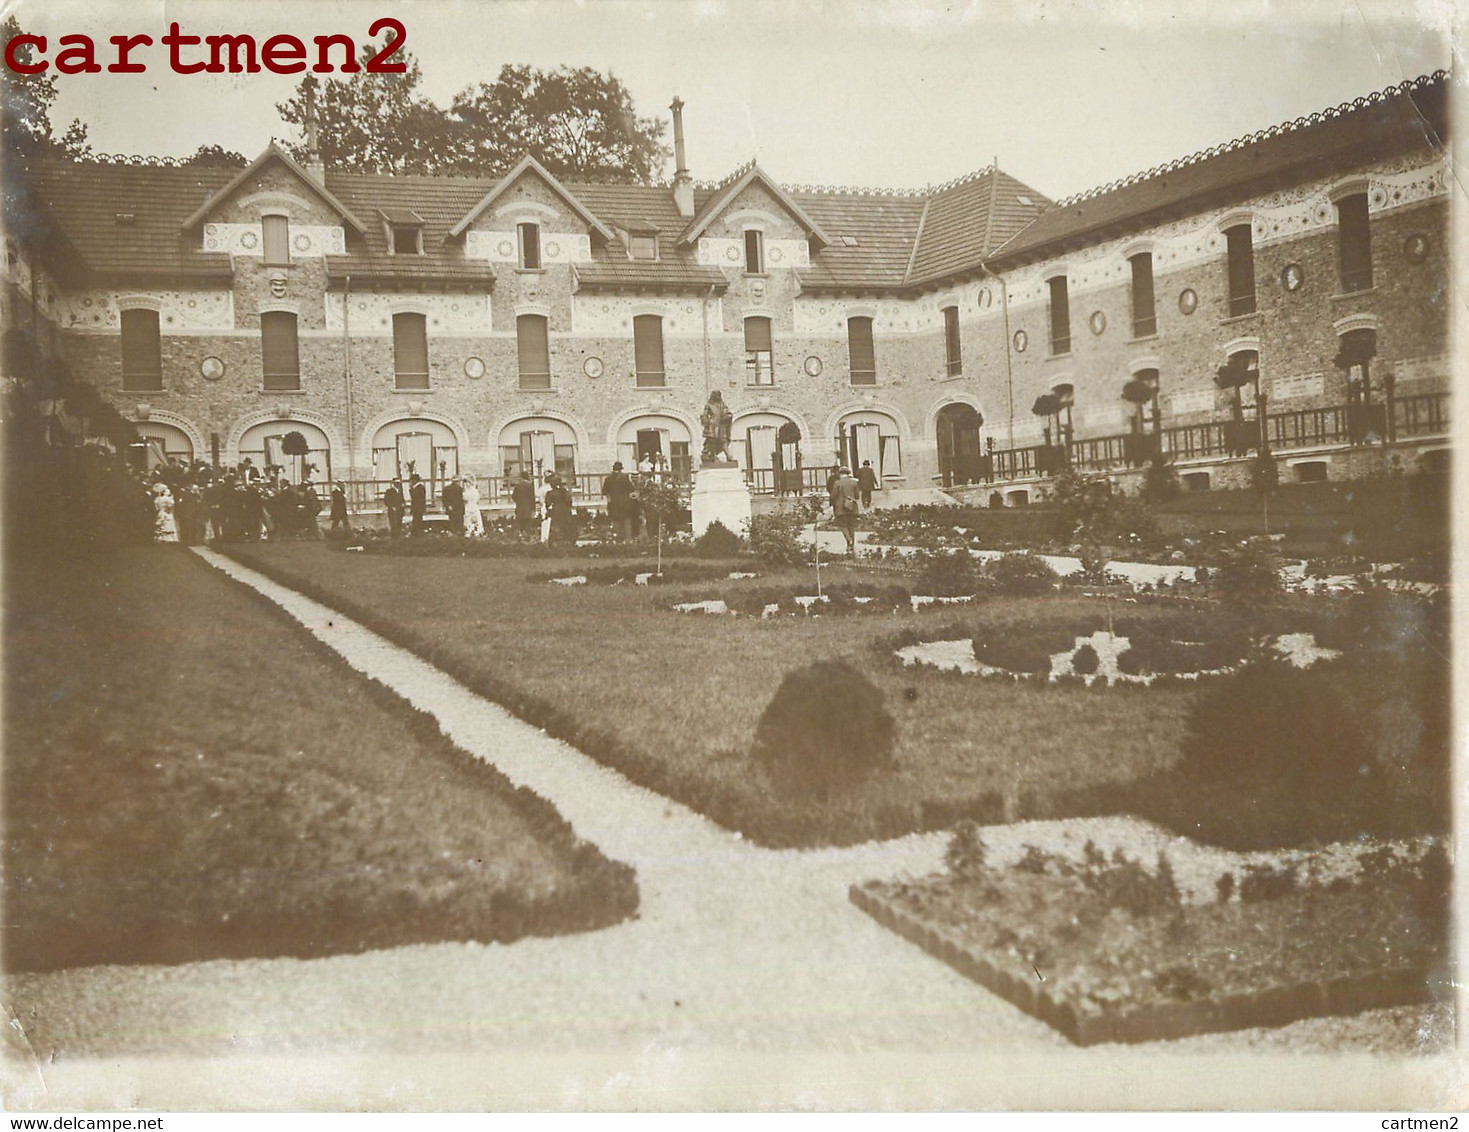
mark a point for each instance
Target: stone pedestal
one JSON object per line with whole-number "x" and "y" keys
{"x": 720, "y": 492}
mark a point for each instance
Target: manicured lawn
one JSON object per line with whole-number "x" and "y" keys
{"x": 673, "y": 700}
{"x": 189, "y": 775}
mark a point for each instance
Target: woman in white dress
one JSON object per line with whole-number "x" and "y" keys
{"x": 165, "y": 527}
{"x": 543, "y": 488}
{"x": 474, "y": 522}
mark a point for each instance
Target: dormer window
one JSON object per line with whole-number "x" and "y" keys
{"x": 529, "y": 236}
{"x": 642, "y": 246}
{"x": 754, "y": 251}
{"x": 404, "y": 230}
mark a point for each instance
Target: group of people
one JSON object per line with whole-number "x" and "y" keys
{"x": 194, "y": 502}
{"x": 460, "y": 497}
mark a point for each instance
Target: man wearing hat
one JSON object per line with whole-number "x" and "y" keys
{"x": 846, "y": 503}
{"x": 617, "y": 487}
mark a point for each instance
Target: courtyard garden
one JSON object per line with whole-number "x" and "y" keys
{"x": 189, "y": 776}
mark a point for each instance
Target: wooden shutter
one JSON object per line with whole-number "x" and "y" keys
{"x": 1144, "y": 305}
{"x": 754, "y": 251}
{"x": 279, "y": 354}
{"x": 530, "y": 246}
{"x": 277, "y": 236}
{"x": 142, "y": 350}
{"x": 535, "y": 351}
{"x": 1354, "y": 234}
{"x": 647, "y": 333}
{"x": 1060, "y": 316}
{"x": 954, "y": 359}
{"x": 757, "y": 334}
{"x": 1241, "y": 269}
{"x": 859, "y": 346}
{"x": 410, "y": 350}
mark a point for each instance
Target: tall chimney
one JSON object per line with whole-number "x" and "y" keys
{"x": 683, "y": 184}
{"x": 314, "y": 164}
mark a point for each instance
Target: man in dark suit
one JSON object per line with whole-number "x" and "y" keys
{"x": 417, "y": 502}
{"x": 393, "y": 501}
{"x": 618, "y": 490}
{"x": 867, "y": 482}
{"x": 523, "y": 494}
{"x": 452, "y": 497}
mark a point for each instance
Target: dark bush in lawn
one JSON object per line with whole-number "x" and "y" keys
{"x": 1086, "y": 661}
{"x": 717, "y": 541}
{"x": 1277, "y": 755}
{"x": 954, "y": 574}
{"x": 1022, "y": 575}
{"x": 1249, "y": 576}
{"x": 825, "y": 728}
{"x": 775, "y": 539}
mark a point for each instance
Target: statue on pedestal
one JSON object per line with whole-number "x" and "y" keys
{"x": 717, "y": 421}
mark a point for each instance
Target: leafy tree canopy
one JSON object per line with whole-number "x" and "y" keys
{"x": 577, "y": 122}
{"x": 25, "y": 109}
{"x": 216, "y": 157}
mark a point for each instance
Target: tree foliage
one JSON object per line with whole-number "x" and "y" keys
{"x": 25, "y": 110}
{"x": 576, "y": 121}
{"x": 216, "y": 157}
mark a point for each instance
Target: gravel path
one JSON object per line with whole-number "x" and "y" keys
{"x": 736, "y": 948}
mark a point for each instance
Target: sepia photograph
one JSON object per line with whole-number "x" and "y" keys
{"x": 695, "y": 555}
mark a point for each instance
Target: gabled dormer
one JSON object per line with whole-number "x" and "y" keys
{"x": 754, "y": 182}
{"x": 276, "y": 209}
{"x": 532, "y": 219}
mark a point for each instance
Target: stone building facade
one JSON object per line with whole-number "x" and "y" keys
{"x": 973, "y": 335}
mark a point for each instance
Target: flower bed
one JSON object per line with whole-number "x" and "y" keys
{"x": 1107, "y": 950}
{"x": 647, "y": 574}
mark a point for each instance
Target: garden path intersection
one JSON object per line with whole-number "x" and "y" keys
{"x": 735, "y": 947}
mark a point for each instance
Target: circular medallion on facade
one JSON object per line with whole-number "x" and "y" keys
{"x": 302, "y": 242}
{"x": 505, "y": 248}
{"x": 211, "y": 368}
{"x": 812, "y": 366}
{"x": 1097, "y": 322}
{"x": 249, "y": 240}
{"x": 732, "y": 254}
{"x": 593, "y": 367}
{"x": 553, "y": 249}
{"x": 1022, "y": 340}
{"x": 474, "y": 368}
{"x": 1188, "y": 300}
{"x": 1415, "y": 247}
{"x": 1292, "y": 276}
{"x": 776, "y": 255}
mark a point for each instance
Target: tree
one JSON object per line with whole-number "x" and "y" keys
{"x": 575, "y": 121}
{"x": 25, "y": 109}
{"x": 216, "y": 157}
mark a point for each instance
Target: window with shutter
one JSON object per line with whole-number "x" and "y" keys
{"x": 410, "y": 351}
{"x": 1354, "y": 242}
{"x": 534, "y": 347}
{"x": 1060, "y": 316}
{"x": 953, "y": 357}
{"x": 530, "y": 246}
{"x": 647, "y": 333}
{"x": 1241, "y": 250}
{"x": 276, "y": 232}
{"x": 278, "y": 350}
{"x": 759, "y": 354}
{"x": 142, "y": 350}
{"x": 859, "y": 347}
{"x": 754, "y": 251}
{"x": 1144, "y": 305}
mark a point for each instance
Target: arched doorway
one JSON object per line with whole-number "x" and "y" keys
{"x": 768, "y": 447}
{"x": 960, "y": 458}
{"x": 663, "y": 439}
{"x": 536, "y": 446}
{"x": 413, "y": 445}
{"x": 266, "y": 445}
{"x": 159, "y": 444}
{"x": 1366, "y": 421}
{"x": 868, "y": 435}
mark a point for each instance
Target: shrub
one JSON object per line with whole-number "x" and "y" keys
{"x": 1265, "y": 882}
{"x": 954, "y": 574}
{"x": 1249, "y": 575}
{"x": 1022, "y": 575}
{"x": 825, "y": 728}
{"x": 1224, "y": 886}
{"x": 1086, "y": 661}
{"x": 966, "y": 853}
{"x": 1124, "y": 883}
{"x": 775, "y": 539}
{"x": 717, "y": 541}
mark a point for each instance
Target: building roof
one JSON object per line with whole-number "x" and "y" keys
{"x": 272, "y": 152}
{"x": 1411, "y": 115}
{"x": 128, "y": 218}
{"x": 529, "y": 163}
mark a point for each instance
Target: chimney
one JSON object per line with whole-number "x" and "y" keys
{"x": 683, "y": 185}
{"x": 314, "y": 164}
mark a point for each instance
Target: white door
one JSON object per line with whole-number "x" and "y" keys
{"x": 869, "y": 446}
{"x": 761, "y": 441}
